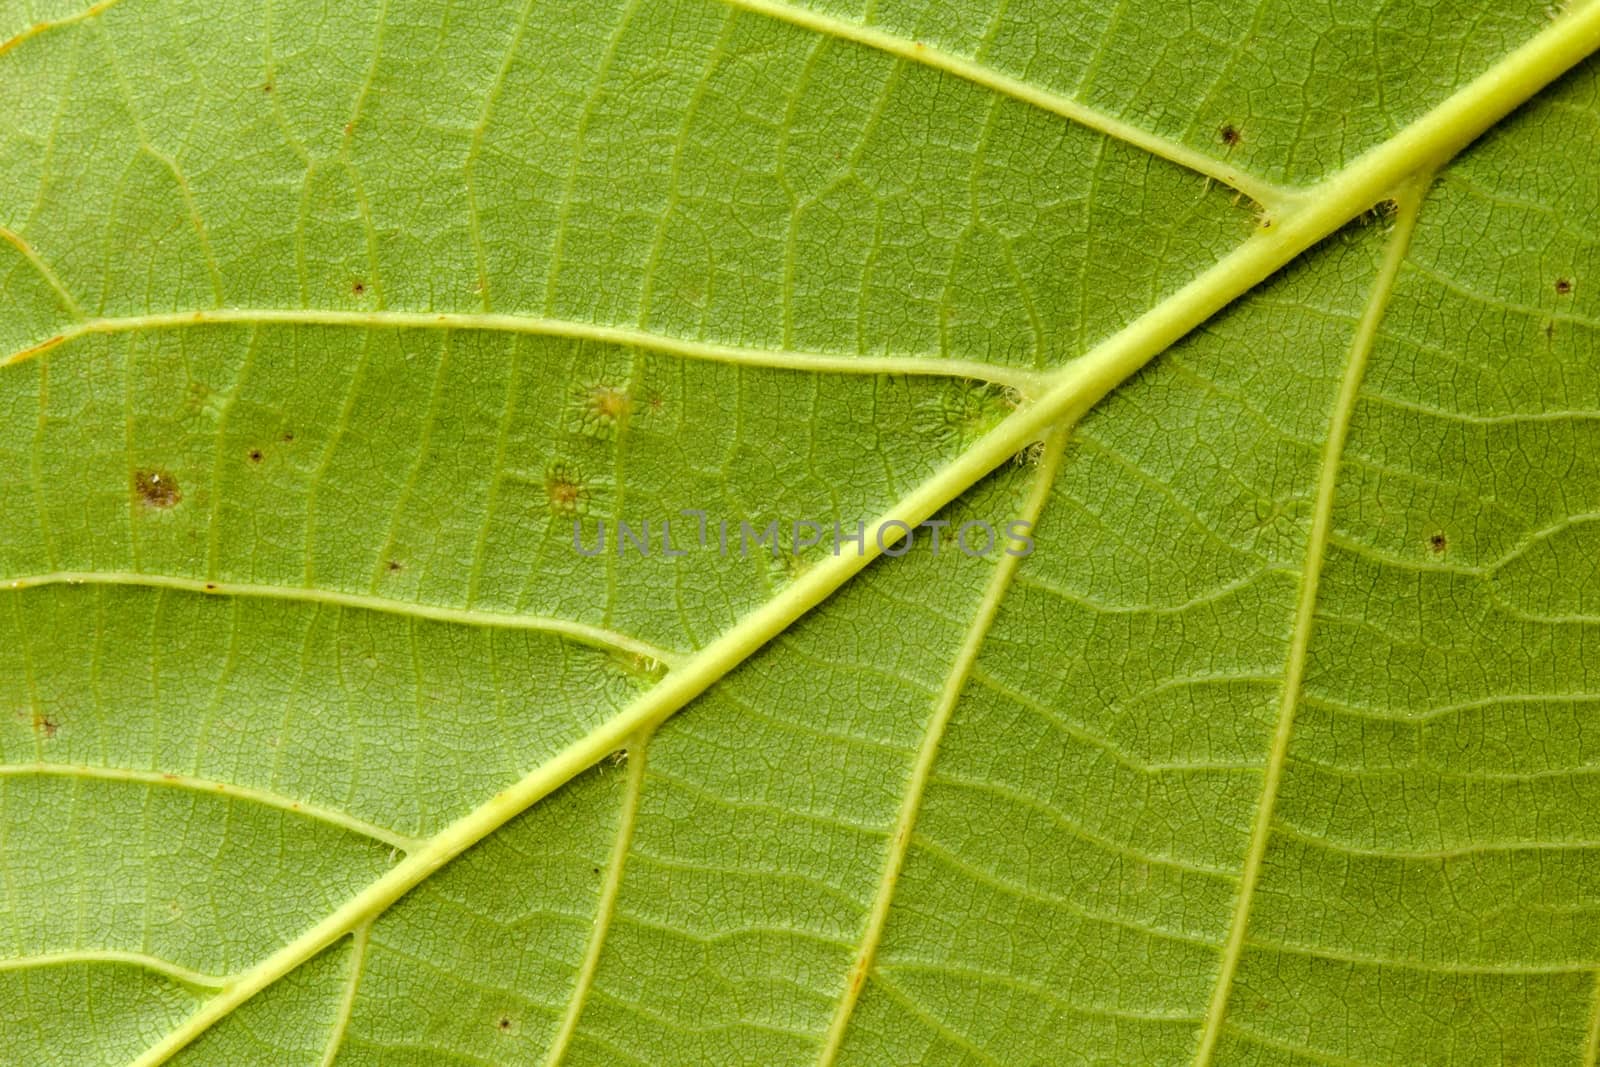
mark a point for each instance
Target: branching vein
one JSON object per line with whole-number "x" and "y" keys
{"x": 92, "y": 11}
{"x": 922, "y": 769}
{"x": 347, "y": 1001}
{"x": 1305, "y": 614}
{"x": 250, "y": 794}
{"x": 1058, "y": 400}
{"x": 1262, "y": 192}
{"x": 541, "y": 326}
{"x": 597, "y": 636}
{"x": 182, "y": 975}
{"x": 607, "y": 905}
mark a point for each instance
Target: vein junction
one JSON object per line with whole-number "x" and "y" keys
{"x": 1055, "y": 403}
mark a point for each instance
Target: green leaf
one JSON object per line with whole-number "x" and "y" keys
{"x": 324, "y": 330}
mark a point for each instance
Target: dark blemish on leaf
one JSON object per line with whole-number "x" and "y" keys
{"x": 266, "y": 87}
{"x": 565, "y": 492}
{"x": 288, "y": 436}
{"x": 156, "y": 488}
{"x": 602, "y": 408}
{"x": 211, "y": 587}
{"x": 44, "y": 724}
{"x": 395, "y": 566}
{"x": 608, "y": 403}
{"x": 1438, "y": 543}
{"x": 1563, "y": 286}
{"x": 1230, "y": 135}
{"x": 255, "y": 455}
{"x": 596, "y": 870}
{"x": 359, "y": 288}
{"x": 504, "y": 1024}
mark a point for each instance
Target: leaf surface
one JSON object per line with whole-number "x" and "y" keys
{"x": 322, "y": 328}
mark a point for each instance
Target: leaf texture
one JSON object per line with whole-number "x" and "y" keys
{"x": 323, "y": 328}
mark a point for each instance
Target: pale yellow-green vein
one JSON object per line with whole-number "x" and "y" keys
{"x": 571, "y": 329}
{"x": 1071, "y": 391}
{"x": 191, "y": 783}
{"x": 184, "y": 976}
{"x": 607, "y": 905}
{"x": 1262, "y": 192}
{"x": 955, "y": 682}
{"x": 1304, "y": 618}
{"x": 596, "y": 636}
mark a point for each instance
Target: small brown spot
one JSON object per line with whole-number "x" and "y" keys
{"x": 596, "y": 870}
{"x": 211, "y": 587}
{"x": 44, "y": 724}
{"x": 349, "y": 128}
{"x": 156, "y": 488}
{"x": 255, "y": 455}
{"x": 359, "y": 288}
{"x": 1438, "y": 543}
{"x": 562, "y": 488}
{"x": 395, "y": 566}
{"x": 169, "y": 777}
{"x": 1230, "y": 135}
{"x": 504, "y": 1024}
{"x": 288, "y": 436}
{"x": 266, "y": 87}
{"x": 1563, "y": 286}
{"x": 608, "y": 403}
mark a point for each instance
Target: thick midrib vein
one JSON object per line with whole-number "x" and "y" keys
{"x": 541, "y": 326}
{"x": 1422, "y": 146}
{"x": 922, "y": 768}
{"x": 595, "y": 636}
{"x": 1262, "y": 192}
{"x": 1305, "y": 612}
